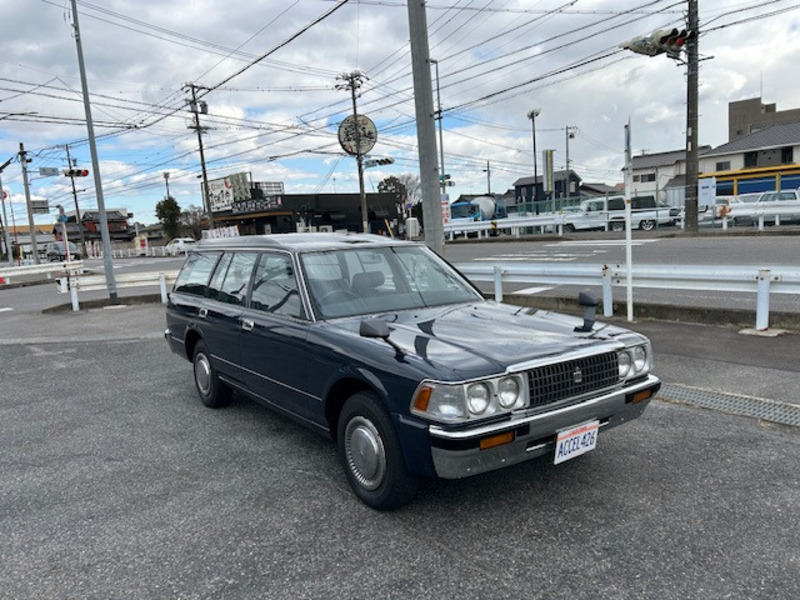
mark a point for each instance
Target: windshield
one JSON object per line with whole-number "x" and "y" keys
{"x": 345, "y": 283}
{"x": 459, "y": 210}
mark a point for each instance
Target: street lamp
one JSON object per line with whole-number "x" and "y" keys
{"x": 532, "y": 116}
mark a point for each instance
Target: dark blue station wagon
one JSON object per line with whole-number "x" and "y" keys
{"x": 385, "y": 347}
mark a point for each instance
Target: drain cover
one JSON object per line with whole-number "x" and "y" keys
{"x": 759, "y": 408}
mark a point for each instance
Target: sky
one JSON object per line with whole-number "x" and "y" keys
{"x": 270, "y": 73}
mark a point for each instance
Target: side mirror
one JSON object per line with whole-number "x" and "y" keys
{"x": 378, "y": 328}
{"x": 589, "y": 303}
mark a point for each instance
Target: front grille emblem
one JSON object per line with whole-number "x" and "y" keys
{"x": 577, "y": 376}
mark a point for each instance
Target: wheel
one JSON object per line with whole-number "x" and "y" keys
{"x": 213, "y": 392}
{"x": 617, "y": 225}
{"x": 569, "y": 228}
{"x": 647, "y": 225}
{"x": 371, "y": 454}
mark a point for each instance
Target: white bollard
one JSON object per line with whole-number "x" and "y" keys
{"x": 762, "y": 300}
{"x": 498, "y": 283}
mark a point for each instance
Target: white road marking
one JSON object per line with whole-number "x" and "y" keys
{"x": 531, "y": 291}
{"x": 5, "y": 309}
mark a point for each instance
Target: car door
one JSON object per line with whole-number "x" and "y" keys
{"x": 221, "y": 313}
{"x": 273, "y": 338}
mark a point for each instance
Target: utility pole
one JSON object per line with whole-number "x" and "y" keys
{"x": 692, "y": 168}
{"x": 532, "y": 116}
{"x": 197, "y": 108}
{"x": 23, "y": 161}
{"x": 78, "y": 218}
{"x": 166, "y": 181}
{"x": 352, "y": 82}
{"x": 570, "y": 133}
{"x": 488, "y": 171}
{"x": 9, "y": 254}
{"x": 108, "y": 266}
{"x": 442, "y": 181}
{"x": 426, "y": 130}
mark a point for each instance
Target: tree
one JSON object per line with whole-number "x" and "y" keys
{"x": 193, "y": 221}
{"x": 393, "y": 185}
{"x": 169, "y": 214}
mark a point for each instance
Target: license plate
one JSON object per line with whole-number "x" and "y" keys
{"x": 576, "y": 441}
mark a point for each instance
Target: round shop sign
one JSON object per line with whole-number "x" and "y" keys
{"x": 357, "y": 137}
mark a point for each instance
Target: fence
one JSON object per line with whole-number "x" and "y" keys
{"x": 759, "y": 280}
{"x": 55, "y": 268}
{"x": 86, "y": 283}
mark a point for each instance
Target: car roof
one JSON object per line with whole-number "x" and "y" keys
{"x": 300, "y": 242}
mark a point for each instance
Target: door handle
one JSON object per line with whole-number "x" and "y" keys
{"x": 202, "y": 313}
{"x": 248, "y": 325}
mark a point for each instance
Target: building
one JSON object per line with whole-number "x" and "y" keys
{"x": 566, "y": 184}
{"x": 332, "y": 212}
{"x": 662, "y": 175}
{"x": 760, "y": 161}
{"x": 751, "y": 115}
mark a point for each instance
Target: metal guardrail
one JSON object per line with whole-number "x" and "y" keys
{"x": 759, "y": 280}
{"x": 51, "y": 268}
{"x": 86, "y": 283}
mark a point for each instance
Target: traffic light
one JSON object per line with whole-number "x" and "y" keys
{"x": 76, "y": 172}
{"x": 670, "y": 41}
{"x": 374, "y": 162}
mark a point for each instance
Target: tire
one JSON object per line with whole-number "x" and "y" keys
{"x": 569, "y": 228}
{"x": 213, "y": 392}
{"x": 617, "y": 226}
{"x": 371, "y": 456}
{"x": 647, "y": 225}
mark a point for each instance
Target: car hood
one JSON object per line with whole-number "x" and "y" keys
{"x": 483, "y": 338}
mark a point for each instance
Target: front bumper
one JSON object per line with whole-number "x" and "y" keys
{"x": 457, "y": 454}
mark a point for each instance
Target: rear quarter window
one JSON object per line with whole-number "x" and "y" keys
{"x": 196, "y": 271}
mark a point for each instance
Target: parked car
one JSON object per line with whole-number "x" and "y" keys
{"x": 386, "y": 348}
{"x": 180, "y": 245}
{"x": 783, "y": 205}
{"x": 602, "y": 213}
{"x": 54, "y": 251}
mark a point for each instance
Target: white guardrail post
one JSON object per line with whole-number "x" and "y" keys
{"x": 608, "y": 297}
{"x": 762, "y": 300}
{"x": 498, "y": 283}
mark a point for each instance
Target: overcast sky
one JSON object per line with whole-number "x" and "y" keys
{"x": 278, "y": 117}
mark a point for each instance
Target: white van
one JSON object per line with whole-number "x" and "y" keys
{"x": 609, "y": 213}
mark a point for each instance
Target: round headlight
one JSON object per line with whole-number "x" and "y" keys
{"x": 478, "y": 398}
{"x": 508, "y": 392}
{"x": 624, "y": 364}
{"x": 639, "y": 358}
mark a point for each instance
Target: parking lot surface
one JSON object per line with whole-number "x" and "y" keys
{"x": 115, "y": 482}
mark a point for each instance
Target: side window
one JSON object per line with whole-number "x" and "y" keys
{"x": 275, "y": 287}
{"x": 195, "y": 273}
{"x": 219, "y": 276}
{"x": 616, "y": 204}
{"x": 237, "y": 279}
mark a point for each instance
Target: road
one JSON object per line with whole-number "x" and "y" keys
{"x": 648, "y": 248}
{"x": 115, "y": 482}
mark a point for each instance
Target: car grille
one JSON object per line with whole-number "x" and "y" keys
{"x": 552, "y": 383}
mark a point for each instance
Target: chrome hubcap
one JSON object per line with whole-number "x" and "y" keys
{"x": 365, "y": 453}
{"x": 202, "y": 374}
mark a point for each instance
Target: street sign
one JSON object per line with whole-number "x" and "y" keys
{"x": 62, "y": 218}
{"x": 49, "y": 172}
{"x": 365, "y": 137}
{"x": 39, "y": 207}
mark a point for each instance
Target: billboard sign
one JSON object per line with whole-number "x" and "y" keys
{"x": 222, "y": 193}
